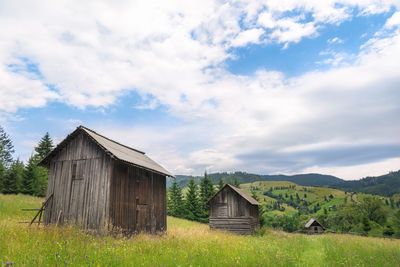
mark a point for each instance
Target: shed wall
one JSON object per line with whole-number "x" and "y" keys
{"x": 315, "y": 230}
{"x": 230, "y": 211}
{"x": 137, "y": 199}
{"x": 79, "y": 177}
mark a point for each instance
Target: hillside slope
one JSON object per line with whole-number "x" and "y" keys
{"x": 287, "y": 197}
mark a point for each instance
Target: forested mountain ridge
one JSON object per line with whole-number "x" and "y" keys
{"x": 311, "y": 179}
{"x": 385, "y": 185}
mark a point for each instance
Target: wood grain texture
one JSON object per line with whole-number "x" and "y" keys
{"x": 137, "y": 199}
{"x": 95, "y": 191}
{"x": 230, "y": 211}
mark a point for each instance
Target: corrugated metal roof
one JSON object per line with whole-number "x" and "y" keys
{"x": 241, "y": 193}
{"x": 117, "y": 150}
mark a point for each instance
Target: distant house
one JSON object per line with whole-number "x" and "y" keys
{"x": 234, "y": 210}
{"x": 99, "y": 184}
{"x": 314, "y": 227}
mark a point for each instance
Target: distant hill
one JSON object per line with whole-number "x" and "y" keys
{"x": 311, "y": 179}
{"x": 386, "y": 185}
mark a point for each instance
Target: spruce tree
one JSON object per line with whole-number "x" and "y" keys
{"x": 236, "y": 183}
{"x": 366, "y": 225}
{"x": 35, "y": 177}
{"x": 6, "y": 149}
{"x": 44, "y": 146}
{"x": 34, "y": 181}
{"x": 176, "y": 205}
{"x": 206, "y": 192}
{"x": 192, "y": 202}
{"x": 261, "y": 209}
{"x": 220, "y": 183}
{"x": 13, "y": 178}
{"x": 2, "y": 176}
{"x": 29, "y": 176}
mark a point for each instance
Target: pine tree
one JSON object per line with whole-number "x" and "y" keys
{"x": 261, "y": 209}
{"x": 2, "y": 176}
{"x": 206, "y": 192}
{"x": 34, "y": 181}
{"x": 13, "y": 178}
{"x": 44, "y": 147}
{"x": 220, "y": 183}
{"x": 192, "y": 206}
{"x": 35, "y": 177}
{"x": 175, "y": 200}
{"x": 366, "y": 224}
{"x": 6, "y": 149}
{"x": 28, "y": 176}
{"x": 236, "y": 183}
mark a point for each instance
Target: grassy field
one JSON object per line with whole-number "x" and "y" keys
{"x": 185, "y": 244}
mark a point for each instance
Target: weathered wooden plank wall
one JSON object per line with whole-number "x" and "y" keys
{"x": 230, "y": 211}
{"x": 79, "y": 181}
{"x": 137, "y": 199}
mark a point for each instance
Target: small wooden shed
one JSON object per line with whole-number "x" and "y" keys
{"x": 234, "y": 210}
{"x": 314, "y": 227}
{"x": 100, "y": 184}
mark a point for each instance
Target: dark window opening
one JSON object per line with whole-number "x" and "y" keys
{"x": 73, "y": 171}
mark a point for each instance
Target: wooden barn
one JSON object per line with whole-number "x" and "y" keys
{"x": 314, "y": 227}
{"x": 234, "y": 210}
{"x": 99, "y": 184}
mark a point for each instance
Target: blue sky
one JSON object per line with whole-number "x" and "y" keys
{"x": 265, "y": 87}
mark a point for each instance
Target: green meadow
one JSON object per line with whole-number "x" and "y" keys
{"x": 185, "y": 243}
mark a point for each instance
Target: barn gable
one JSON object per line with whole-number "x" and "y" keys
{"x": 113, "y": 149}
{"x": 314, "y": 227}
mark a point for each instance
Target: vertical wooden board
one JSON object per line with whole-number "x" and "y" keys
{"x": 105, "y": 190}
{"x": 49, "y": 191}
{"x": 117, "y": 221}
{"x": 95, "y": 185}
{"x": 142, "y": 212}
{"x": 151, "y": 218}
{"x": 111, "y": 197}
{"x": 131, "y": 199}
{"x": 85, "y": 190}
{"x": 99, "y": 192}
{"x": 164, "y": 199}
{"x": 157, "y": 212}
{"x": 65, "y": 189}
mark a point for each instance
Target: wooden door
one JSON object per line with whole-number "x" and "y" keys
{"x": 142, "y": 209}
{"x": 76, "y": 191}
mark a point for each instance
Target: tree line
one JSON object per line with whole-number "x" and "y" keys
{"x": 193, "y": 204}
{"x": 19, "y": 177}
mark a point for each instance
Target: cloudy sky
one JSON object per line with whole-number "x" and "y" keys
{"x": 276, "y": 86}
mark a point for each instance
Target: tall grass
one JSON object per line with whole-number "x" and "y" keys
{"x": 185, "y": 244}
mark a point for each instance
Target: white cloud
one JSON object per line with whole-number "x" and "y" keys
{"x": 19, "y": 90}
{"x": 335, "y": 40}
{"x": 393, "y": 21}
{"x": 246, "y": 37}
{"x": 91, "y": 53}
{"x": 358, "y": 171}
